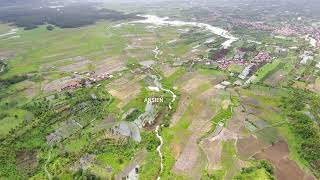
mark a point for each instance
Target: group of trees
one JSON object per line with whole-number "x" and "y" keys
{"x": 133, "y": 115}
{"x": 71, "y": 16}
{"x": 13, "y": 80}
{"x": 309, "y": 134}
{"x": 306, "y": 130}
{"x": 83, "y": 104}
{"x": 251, "y": 172}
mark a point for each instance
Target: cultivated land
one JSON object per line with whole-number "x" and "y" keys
{"x": 117, "y": 96}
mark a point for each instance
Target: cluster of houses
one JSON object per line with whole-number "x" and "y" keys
{"x": 259, "y": 60}
{"x": 286, "y": 31}
{"x": 251, "y": 66}
{"x": 225, "y": 63}
{"x": 71, "y": 85}
{"x": 86, "y": 79}
{"x": 93, "y": 77}
{"x": 252, "y": 25}
{"x": 311, "y": 33}
{"x": 101, "y": 77}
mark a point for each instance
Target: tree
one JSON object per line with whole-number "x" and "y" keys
{"x": 50, "y": 27}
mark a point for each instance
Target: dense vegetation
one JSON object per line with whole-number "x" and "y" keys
{"x": 71, "y": 16}
{"x": 13, "y": 80}
{"x": 262, "y": 170}
{"x": 306, "y": 128}
{"x": 50, "y": 112}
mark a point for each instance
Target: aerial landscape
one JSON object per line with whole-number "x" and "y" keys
{"x": 160, "y": 89}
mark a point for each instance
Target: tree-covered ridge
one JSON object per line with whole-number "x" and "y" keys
{"x": 71, "y": 16}
{"x": 303, "y": 111}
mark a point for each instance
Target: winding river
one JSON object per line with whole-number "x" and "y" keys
{"x": 159, "y": 86}
{"x": 159, "y": 150}
{"x": 152, "y": 19}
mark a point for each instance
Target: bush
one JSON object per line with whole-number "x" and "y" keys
{"x": 50, "y": 27}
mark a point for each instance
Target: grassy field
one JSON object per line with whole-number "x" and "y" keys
{"x": 266, "y": 69}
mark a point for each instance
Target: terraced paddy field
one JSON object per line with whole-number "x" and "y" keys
{"x": 173, "y": 98}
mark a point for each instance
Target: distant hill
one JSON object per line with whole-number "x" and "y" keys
{"x": 32, "y": 13}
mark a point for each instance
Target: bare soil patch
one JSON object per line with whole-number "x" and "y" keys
{"x": 225, "y": 104}
{"x": 167, "y": 70}
{"x": 110, "y": 65}
{"x": 187, "y": 160}
{"x": 193, "y": 83}
{"x": 6, "y": 54}
{"x": 249, "y": 146}
{"x": 124, "y": 89}
{"x": 77, "y": 64}
{"x": 189, "y": 156}
{"x": 213, "y": 151}
{"x": 141, "y": 41}
{"x": 276, "y": 78}
{"x": 188, "y": 88}
{"x": 27, "y": 161}
{"x": 315, "y": 87}
{"x": 235, "y": 124}
{"x": 285, "y": 169}
{"x": 225, "y": 135}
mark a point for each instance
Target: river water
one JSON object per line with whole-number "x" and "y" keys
{"x": 159, "y": 150}
{"x": 159, "y": 21}
{"x": 159, "y": 86}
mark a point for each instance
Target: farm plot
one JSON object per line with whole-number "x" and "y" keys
{"x": 249, "y": 146}
{"x": 213, "y": 146}
{"x": 276, "y": 78}
{"x": 191, "y": 84}
{"x": 167, "y": 70}
{"x": 109, "y": 65}
{"x": 194, "y": 122}
{"x": 27, "y": 161}
{"x": 263, "y": 104}
{"x": 213, "y": 150}
{"x": 124, "y": 89}
{"x": 77, "y": 63}
{"x": 285, "y": 168}
{"x": 224, "y": 159}
{"x": 267, "y": 70}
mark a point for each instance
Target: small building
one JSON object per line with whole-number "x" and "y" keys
{"x": 281, "y": 51}
{"x": 220, "y": 86}
{"x": 238, "y": 83}
{"x": 226, "y": 83}
{"x": 245, "y": 73}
